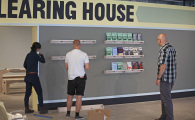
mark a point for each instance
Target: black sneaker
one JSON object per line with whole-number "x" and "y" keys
{"x": 79, "y": 117}
{"x": 67, "y": 115}
{"x": 160, "y": 118}
{"x": 28, "y": 111}
{"x": 42, "y": 111}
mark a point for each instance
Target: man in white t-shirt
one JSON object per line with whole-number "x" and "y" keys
{"x": 76, "y": 63}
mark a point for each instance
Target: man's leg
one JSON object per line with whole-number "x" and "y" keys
{"x": 78, "y": 103}
{"x": 37, "y": 86}
{"x": 27, "y": 93}
{"x": 69, "y": 102}
{"x": 79, "y": 93}
{"x": 26, "y": 98}
{"x": 70, "y": 91}
{"x": 163, "y": 115}
{"x": 165, "y": 90}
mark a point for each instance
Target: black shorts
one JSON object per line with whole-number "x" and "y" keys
{"x": 77, "y": 85}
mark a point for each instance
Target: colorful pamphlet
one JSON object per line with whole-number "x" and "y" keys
{"x": 119, "y": 65}
{"x": 114, "y": 51}
{"x": 126, "y": 51}
{"x": 125, "y": 67}
{"x": 129, "y": 37}
{"x": 129, "y": 66}
{"x": 120, "y": 37}
{"x": 114, "y": 36}
{"x": 125, "y": 37}
{"x": 108, "y": 50}
{"x": 108, "y": 36}
{"x": 139, "y": 36}
{"x": 120, "y": 50}
{"x": 114, "y": 65}
{"x": 135, "y": 36}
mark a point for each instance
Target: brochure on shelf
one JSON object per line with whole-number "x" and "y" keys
{"x": 114, "y": 65}
{"x": 126, "y": 51}
{"x": 125, "y": 37}
{"x": 129, "y": 66}
{"x": 139, "y": 50}
{"x": 114, "y": 36}
{"x": 125, "y": 67}
{"x": 120, "y": 50}
{"x": 114, "y": 51}
{"x": 139, "y": 37}
{"x": 108, "y": 50}
{"x": 108, "y": 36}
{"x": 129, "y": 37}
{"x": 134, "y": 36}
{"x": 119, "y": 65}
{"x": 119, "y": 36}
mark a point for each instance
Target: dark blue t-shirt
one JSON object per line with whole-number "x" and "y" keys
{"x": 31, "y": 61}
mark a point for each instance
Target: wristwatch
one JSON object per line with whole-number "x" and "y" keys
{"x": 158, "y": 78}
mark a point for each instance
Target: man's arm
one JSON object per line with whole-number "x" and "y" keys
{"x": 161, "y": 72}
{"x": 86, "y": 66}
{"x": 25, "y": 63}
{"x": 66, "y": 66}
{"x": 40, "y": 58}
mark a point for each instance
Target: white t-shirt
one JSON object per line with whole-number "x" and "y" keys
{"x": 76, "y": 60}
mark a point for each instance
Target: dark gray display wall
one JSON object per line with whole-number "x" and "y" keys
{"x": 54, "y": 76}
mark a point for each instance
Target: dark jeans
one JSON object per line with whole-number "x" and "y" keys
{"x": 166, "y": 100}
{"x": 33, "y": 80}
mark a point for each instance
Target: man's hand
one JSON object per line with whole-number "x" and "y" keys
{"x": 40, "y": 54}
{"x": 158, "y": 82}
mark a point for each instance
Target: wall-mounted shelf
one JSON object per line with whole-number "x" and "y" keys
{"x": 70, "y": 41}
{"x": 123, "y": 42}
{"x": 63, "y": 57}
{"x": 122, "y": 56}
{"x": 16, "y": 70}
{"x": 123, "y": 71}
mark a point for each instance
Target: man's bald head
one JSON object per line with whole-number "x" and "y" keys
{"x": 162, "y": 39}
{"x": 76, "y": 44}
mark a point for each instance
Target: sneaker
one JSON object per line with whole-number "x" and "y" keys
{"x": 67, "y": 115}
{"x": 78, "y": 117}
{"x": 160, "y": 119}
{"x": 28, "y": 111}
{"x": 42, "y": 111}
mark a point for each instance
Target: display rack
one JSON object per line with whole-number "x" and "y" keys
{"x": 123, "y": 42}
{"x": 16, "y": 70}
{"x": 122, "y": 56}
{"x": 63, "y": 57}
{"x": 123, "y": 71}
{"x": 70, "y": 41}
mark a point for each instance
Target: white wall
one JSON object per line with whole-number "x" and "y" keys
{"x": 15, "y": 43}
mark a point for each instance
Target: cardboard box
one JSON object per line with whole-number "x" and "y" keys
{"x": 99, "y": 114}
